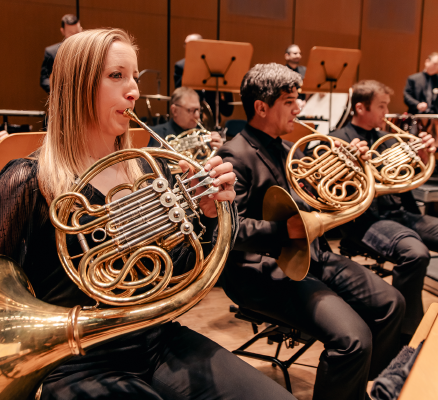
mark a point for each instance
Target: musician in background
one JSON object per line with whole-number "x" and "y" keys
{"x": 185, "y": 110}
{"x": 352, "y": 311}
{"x": 179, "y": 65}
{"x": 393, "y": 226}
{"x": 70, "y": 25}
{"x": 208, "y": 96}
{"x": 3, "y": 134}
{"x": 293, "y": 56}
{"x": 421, "y": 91}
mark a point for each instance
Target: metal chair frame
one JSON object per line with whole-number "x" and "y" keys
{"x": 277, "y": 332}
{"x": 361, "y": 250}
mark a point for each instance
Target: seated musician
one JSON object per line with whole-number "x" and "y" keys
{"x": 352, "y": 311}
{"x": 94, "y": 81}
{"x": 292, "y": 55}
{"x": 185, "y": 110}
{"x": 421, "y": 90}
{"x": 393, "y": 225}
{"x": 70, "y": 25}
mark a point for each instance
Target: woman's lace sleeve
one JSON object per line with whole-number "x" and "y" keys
{"x": 21, "y": 207}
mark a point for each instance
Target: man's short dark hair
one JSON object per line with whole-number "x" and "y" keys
{"x": 364, "y": 92}
{"x": 432, "y": 55}
{"x": 266, "y": 82}
{"x": 289, "y": 48}
{"x": 69, "y": 19}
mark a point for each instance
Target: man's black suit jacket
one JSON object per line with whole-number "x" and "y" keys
{"x": 382, "y": 204}
{"x": 416, "y": 92}
{"x": 301, "y": 69}
{"x": 258, "y": 241}
{"x": 177, "y": 75}
{"x": 47, "y": 67}
{"x": 168, "y": 128}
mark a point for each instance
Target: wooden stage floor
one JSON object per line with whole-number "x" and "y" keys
{"x": 212, "y": 318}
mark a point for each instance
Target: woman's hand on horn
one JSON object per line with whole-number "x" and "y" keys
{"x": 224, "y": 178}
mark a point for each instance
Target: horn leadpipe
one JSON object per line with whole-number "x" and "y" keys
{"x": 128, "y": 113}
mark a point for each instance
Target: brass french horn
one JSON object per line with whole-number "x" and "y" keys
{"x": 35, "y": 337}
{"x": 345, "y": 188}
{"x": 193, "y": 144}
{"x": 399, "y": 168}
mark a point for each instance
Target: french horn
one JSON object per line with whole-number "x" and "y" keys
{"x": 35, "y": 337}
{"x": 345, "y": 188}
{"x": 193, "y": 144}
{"x": 399, "y": 168}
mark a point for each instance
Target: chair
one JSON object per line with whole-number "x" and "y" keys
{"x": 277, "y": 332}
{"x": 350, "y": 248}
{"x": 19, "y": 145}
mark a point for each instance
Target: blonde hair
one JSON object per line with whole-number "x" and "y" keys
{"x": 77, "y": 73}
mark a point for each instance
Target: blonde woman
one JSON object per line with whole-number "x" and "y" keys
{"x": 94, "y": 80}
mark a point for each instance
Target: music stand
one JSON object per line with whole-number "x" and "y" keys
{"x": 331, "y": 70}
{"x": 216, "y": 65}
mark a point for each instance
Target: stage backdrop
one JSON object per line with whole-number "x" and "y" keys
{"x": 395, "y": 37}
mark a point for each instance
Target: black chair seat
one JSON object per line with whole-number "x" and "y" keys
{"x": 278, "y": 332}
{"x": 352, "y": 248}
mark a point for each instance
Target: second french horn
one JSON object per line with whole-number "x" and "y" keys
{"x": 345, "y": 188}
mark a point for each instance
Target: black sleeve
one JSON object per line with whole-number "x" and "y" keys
{"x": 177, "y": 76}
{"x": 409, "y": 94}
{"x": 21, "y": 207}
{"x": 46, "y": 70}
{"x": 254, "y": 236}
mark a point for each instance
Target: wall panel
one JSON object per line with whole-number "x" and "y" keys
{"x": 390, "y": 38}
{"x": 334, "y": 23}
{"x": 28, "y": 27}
{"x": 148, "y": 25}
{"x": 190, "y": 16}
{"x": 429, "y": 42}
{"x": 269, "y": 35}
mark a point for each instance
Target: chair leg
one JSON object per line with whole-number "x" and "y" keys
{"x": 261, "y": 335}
{"x": 299, "y": 353}
{"x": 277, "y": 352}
{"x": 262, "y": 357}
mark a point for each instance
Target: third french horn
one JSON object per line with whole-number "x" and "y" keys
{"x": 399, "y": 168}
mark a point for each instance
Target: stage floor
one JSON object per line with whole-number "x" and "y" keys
{"x": 212, "y": 318}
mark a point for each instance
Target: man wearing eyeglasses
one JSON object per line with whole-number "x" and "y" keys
{"x": 185, "y": 110}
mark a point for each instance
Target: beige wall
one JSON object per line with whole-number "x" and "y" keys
{"x": 389, "y": 33}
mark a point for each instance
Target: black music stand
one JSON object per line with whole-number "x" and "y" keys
{"x": 216, "y": 65}
{"x": 331, "y": 70}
